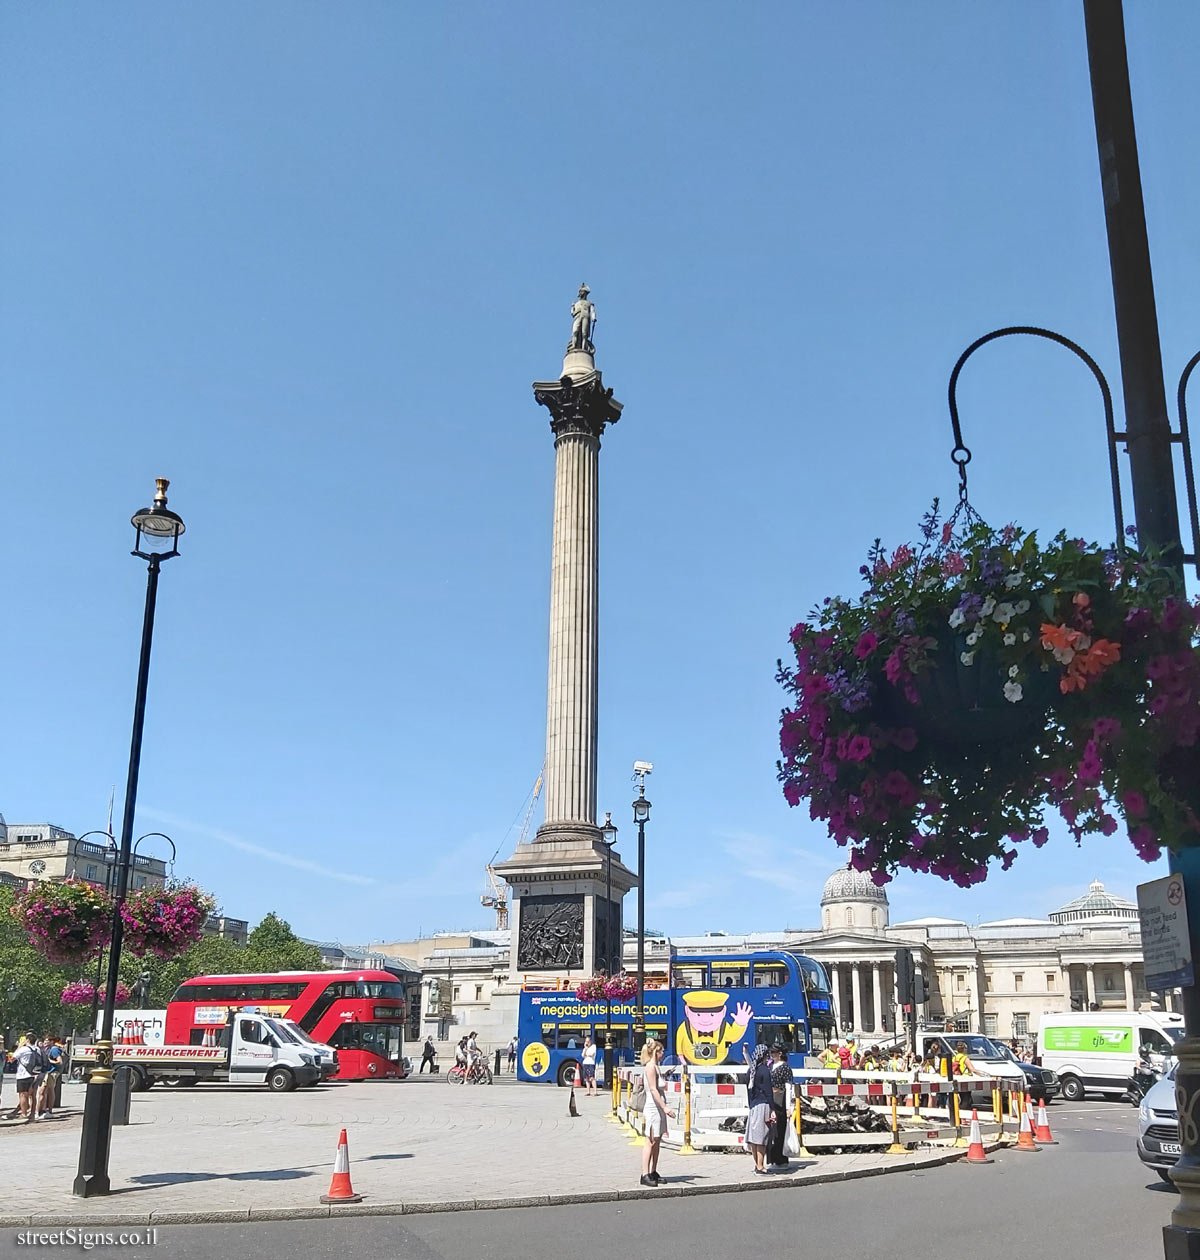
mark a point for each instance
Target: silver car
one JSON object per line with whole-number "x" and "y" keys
{"x": 1158, "y": 1126}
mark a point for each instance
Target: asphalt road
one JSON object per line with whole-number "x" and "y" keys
{"x": 1088, "y": 1197}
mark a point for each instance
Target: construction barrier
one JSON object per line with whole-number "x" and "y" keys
{"x": 703, "y": 1097}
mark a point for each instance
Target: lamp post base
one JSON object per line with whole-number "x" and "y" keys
{"x": 1180, "y": 1243}
{"x": 639, "y": 1035}
{"x": 92, "y": 1178}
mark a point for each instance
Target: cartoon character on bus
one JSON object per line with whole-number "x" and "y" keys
{"x": 706, "y": 1034}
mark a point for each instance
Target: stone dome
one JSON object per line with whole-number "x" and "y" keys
{"x": 847, "y": 884}
{"x": 851, "y": 899}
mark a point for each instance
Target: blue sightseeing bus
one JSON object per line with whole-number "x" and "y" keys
{"x": 714, "y": 1006}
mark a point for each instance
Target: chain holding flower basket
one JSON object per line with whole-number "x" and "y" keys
{"x": 165, "y": 922}
{"x": 981, "y": 677}
{"x": 606, "y": 988}
{"x": 68, "y": 921}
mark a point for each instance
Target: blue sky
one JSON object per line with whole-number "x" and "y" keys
{"x": 305, "y": 260}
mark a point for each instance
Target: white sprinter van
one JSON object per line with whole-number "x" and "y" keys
{"x": 1095, "y": 1052}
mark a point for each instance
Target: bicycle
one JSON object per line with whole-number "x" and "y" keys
{"x": 477, "y": 1074}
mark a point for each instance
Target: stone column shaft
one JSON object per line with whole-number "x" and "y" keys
{"x": 574, "y": 632}
{"x": 877, "y": 995}
{"x": 856, "y": 986}
{"x": 1130, "y": 1002}
{"x": 1090, "y": 971}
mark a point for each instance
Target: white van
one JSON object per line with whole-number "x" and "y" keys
{"x": 1096, "y": 1051}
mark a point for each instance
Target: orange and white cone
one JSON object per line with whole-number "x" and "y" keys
{"x": 975, "y": 1152}
{"x": 1025, "y": 1137}
{"x": 340, "y": 1189}
{"x": 1042, "y": 1135}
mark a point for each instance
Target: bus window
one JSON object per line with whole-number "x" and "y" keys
{"x": 770, "y": 975}
{"x": 776, "y": 1035}
{"x": 813, "y": 975}
{"x": 730, "y": 975}
{"x": 690, "y": 976}
{"x": 818, "y": 1038}
{"x": 570, "y": 1036}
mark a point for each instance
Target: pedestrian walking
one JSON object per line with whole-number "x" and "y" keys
{"x": 53, "y": 1054}
{"x": 512, "y": 1055}
{"x": 760, "y": 1099}
{"x": 29, "y": 1071}
{"x": 588, "y": 1066}
{"x": 781, "y": 1076}
{"x": 428, "y": 1055}
{"x": 654, "y": 1111}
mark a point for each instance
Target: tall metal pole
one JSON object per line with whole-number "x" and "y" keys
{"x": 639, "y": 1018}
{"x": 92, "y": 1177}
{"x": 1152, "y": 472}
{"x": 608, "y": 949}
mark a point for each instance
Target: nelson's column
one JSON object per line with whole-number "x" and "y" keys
{"x": 561, "y": 919}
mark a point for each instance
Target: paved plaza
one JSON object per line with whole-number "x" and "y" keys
{"x": 229, "y": 1152}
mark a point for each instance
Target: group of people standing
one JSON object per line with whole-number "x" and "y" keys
{"x": 39, "y": 1063}
{"x": 848, "y": 1057}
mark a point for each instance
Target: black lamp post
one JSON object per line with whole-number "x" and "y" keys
{"x": 111, "y": 848}
{"x": 608, "y": 835}
{"x": 641, "y": 812}
{"x": 157, "y": 539}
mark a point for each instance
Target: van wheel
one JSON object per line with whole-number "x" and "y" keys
{"x": 1072, "y": 1088}
{"x": 280, "y": 1080}
{"x": 1166, "y": 1176}
{"x": 568, "y": 1073}
{"x": 138, "y": 1081}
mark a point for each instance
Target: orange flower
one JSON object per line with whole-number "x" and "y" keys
{"x": 1102, "y": 654}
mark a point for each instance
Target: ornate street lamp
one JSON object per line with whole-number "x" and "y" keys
{"x": 641, "y": 813}
{"x": 158, "y": 531}
{"x": 608, "y": 836}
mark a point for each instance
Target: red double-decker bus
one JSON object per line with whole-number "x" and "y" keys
{"x": 360, "y": 1013}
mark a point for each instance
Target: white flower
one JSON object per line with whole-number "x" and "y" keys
{"x": 957, "y": 618}
{"x": 1014, "y": 579}
{"x": 1003, "y": 614}
{"x": 1010, "y": 638}
{"x": 988, "y": 605}
{"x": 972, "y": 638}
{"x": 1013, "y": 671}
{"x": 1021, "y": 607}
{"x": 967, "y": 658}
{"x": 1012, "y": 692}
{"x": 1024, "y": 636}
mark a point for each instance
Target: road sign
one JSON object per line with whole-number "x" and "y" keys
{"x": 1166, "y": 942}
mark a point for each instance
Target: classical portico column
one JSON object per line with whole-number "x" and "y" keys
{"x": 1090, "y": 971}
{"x": 835, "y": 985}
{"x": 856, "y": 993}
{"x": 877, "y": 995}
{"x": 1130, "y": 1003}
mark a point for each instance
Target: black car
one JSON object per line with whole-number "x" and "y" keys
{"x": 1042, "y": 1082}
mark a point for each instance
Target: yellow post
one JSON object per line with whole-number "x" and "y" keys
{"x": 916, "y": 1099}
{"x": 997, "y": 1111}
{"x": 687, "y": 1148}
{"x": 959, "y": 1140}
{"x": 805, "y": 1153}
{"x": 896, "y": 1147}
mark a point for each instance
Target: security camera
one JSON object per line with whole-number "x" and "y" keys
{"x": 643, "y": 767}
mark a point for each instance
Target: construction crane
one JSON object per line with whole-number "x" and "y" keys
{"x": 494, "y": 895}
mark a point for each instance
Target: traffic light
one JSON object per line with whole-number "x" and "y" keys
{"x": 920, "y": 989}
{"x": 906, "y": 974}
{"x": 1077, "y": 1001}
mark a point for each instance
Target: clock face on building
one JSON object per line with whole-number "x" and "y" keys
{"x": 37, "y": 866}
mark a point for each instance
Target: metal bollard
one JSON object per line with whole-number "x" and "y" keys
{"x": 121, "y": 1093}
{"x": 687, "y": 1148}
{"x": 497, "y": 1067}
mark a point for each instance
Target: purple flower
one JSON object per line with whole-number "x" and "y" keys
{"x": 1134, "y": 804}
{"x": 859, "y": 748}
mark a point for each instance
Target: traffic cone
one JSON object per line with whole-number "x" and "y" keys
{"x": 1025, "y": 1137}
{"x": 1042, "y": 1135}
{"x": 975, "y": 1152}
{"x": 340, "y": 1189}
{"x": 572, "y": 1110}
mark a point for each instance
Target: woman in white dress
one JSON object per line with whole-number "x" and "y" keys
{"x": 588, "y": 1067}
{"x": 654, "y": 1112}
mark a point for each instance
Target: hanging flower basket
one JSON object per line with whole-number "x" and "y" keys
{"x": 165, "y": 922}
{"x": 68, "y": 921}
{"x": 981, "y": 677}
{"x": 606, "y": 988}
{"x": 83, "y": 993}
